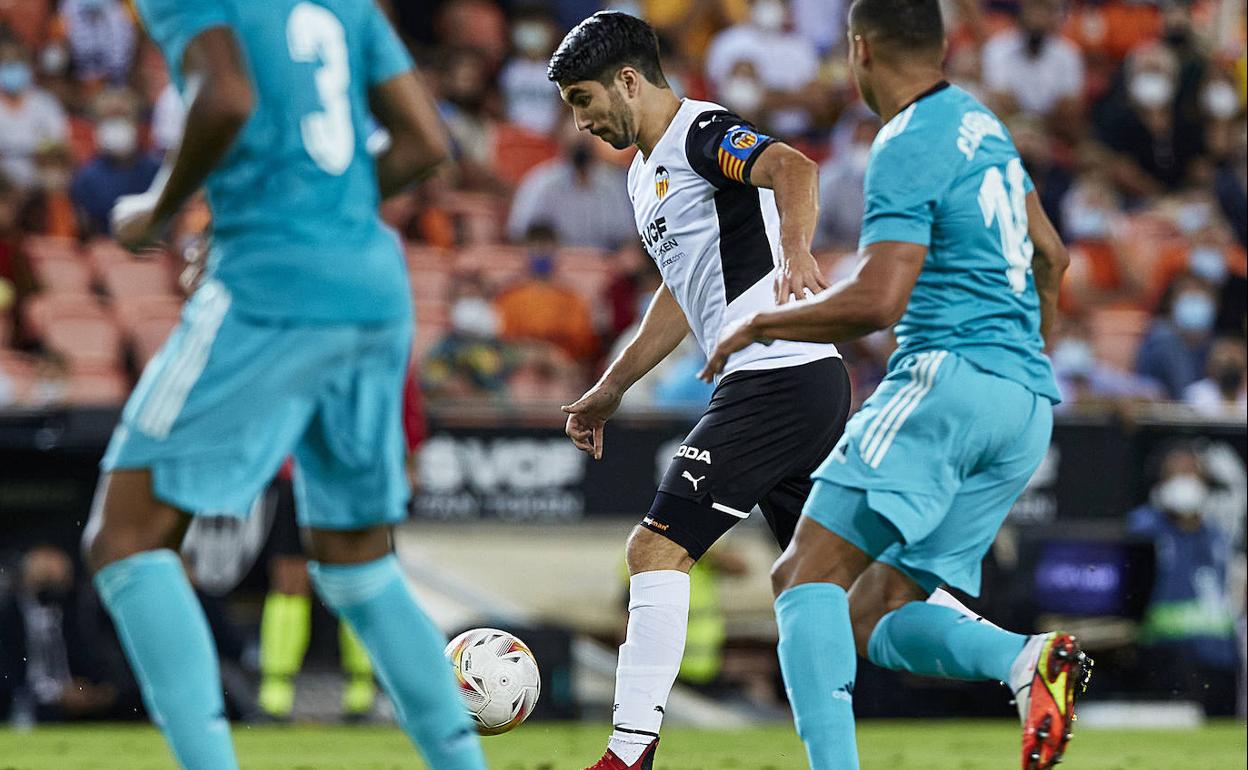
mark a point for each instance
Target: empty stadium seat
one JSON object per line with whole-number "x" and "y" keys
{"x": 137, "y": 278}
{"x": 64, "y": 275}
{"x": 41, "y": 309}
{"x": 515, "y": 150}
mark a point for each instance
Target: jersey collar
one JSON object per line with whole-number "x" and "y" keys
{"x": 941, "y": 86}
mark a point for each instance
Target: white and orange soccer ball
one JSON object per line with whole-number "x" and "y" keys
{"x": 497, "y": 677}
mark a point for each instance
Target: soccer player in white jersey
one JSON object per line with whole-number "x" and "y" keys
{"x": 727, "y": 213}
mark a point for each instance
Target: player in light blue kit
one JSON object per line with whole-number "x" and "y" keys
{"x": 296, "y": 343}
{"x": 957, "y": 252}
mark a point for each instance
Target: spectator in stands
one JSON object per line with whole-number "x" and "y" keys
{"x": 471, "y": 360}
{"x": 529, "y": 98}
{"x": 14, "y": 272}
{"x": 119, "y": 167}
{"x": 583, "y": 199}
{"x": 466, "y": 106}
{"x": 767, "y": 72}
{"x": 30, "y": 118}
{"x": 101, "y": 37}
{"x": 475, "y": 24}
{"x": 1189, "y": 622}
{"x": 1224, "y": 390}
{"x": 540, "y": 309}
{"x": 1154, "y": 141}
{"x": 46, "y": 649}
{"x": 1085, "y": 379}
{"x": 1034, "y": 70}
{"x": 628, "y": 294}
{"x": 1174, "y": 350}
{"x": 840, "y": 182}
{"x": 49, "y": 210}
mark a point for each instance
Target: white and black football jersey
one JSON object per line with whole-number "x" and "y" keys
{"x": 715, "y": 238}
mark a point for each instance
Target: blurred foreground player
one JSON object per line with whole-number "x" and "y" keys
{"x": 296, "y": 344}
{"x": 957, "y": 252}
{"x": 728, "y": 215}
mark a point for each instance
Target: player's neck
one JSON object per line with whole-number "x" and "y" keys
{"x": 655, "y": 120}
{"x": 902, "y": 89}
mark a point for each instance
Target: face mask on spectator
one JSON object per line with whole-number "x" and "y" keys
{"x": 54, "y": 59}
{"x": 1152, "y": 89}
{"x": 581, "y": 157}
{"x": 1087, "y": 224}
{"x": 92, "y": 5}
{"x": 1074, "y": 357}
{"x": 14, "y": 77}
{"x": 742, "y": 93}
{"x": 1219, "y": 100}
{"x": 768, "y": 15}
{"x": 541, "y": 265}
{"x": 116, "y": 136}
{"x": 1184, "y": 495}
{"x": 1193, "y": 312}
{"x": 1035, "y": 42}
{"x": 530, "y": 38}
{"x": 1208, "y": 263}
{"x": 1192, "y": 217}
{"x": 474, "y": 316}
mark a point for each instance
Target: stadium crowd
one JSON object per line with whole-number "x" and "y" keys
{"x": 526, "y": 265}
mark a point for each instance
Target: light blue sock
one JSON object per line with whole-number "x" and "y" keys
{"x": 406, "y": 650}
{"x": 819, "y": 664}
{"x": 162, "y": 627}
{"x": 939, "y": 641}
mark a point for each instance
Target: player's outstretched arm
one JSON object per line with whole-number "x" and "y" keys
{"x": 1048, "y": 263}
{"x": 873, "y": 298}
{"x": 418, "y": 140}
{"x": 662, "y": 329}
{"x": 794, "y": 178}
{"x": 220, "y": 98}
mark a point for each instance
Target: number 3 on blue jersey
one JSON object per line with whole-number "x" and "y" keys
{"x": 1008, "y": 208}
{"x": 314, "y": 34}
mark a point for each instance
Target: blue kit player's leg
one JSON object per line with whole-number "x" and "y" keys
{"x": 207, "y": 425}
{"x": 350, "y": 488}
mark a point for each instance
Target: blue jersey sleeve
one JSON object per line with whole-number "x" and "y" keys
{"x": 173, "y": 24}
{"x": 387, "y": 56}
{"x": 905, "y": 181}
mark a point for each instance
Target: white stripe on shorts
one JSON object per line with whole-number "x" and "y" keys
{"x": 929, "y": 379}
{"x": 732, "y": 511}
{"x": 896, "y": 403}
{"x": 168, "y": 395}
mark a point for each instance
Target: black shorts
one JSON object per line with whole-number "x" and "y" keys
{"x": 763, "y": 434}
{"x": 284, "y": 537}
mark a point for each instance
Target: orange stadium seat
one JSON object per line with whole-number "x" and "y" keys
{"x": 86, "y": 342}
{"x": 64, "y": 275}
{"x": 139, "y": 278}
{"x": 515, "y": 150}
{"x": 1116, "y": 334}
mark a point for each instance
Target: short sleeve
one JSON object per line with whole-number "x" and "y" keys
{"x": 173, "y": 24}
{"x": 387, "y": 56}
{"x": 903, "y": 186}
{"x": 722, "y": 148}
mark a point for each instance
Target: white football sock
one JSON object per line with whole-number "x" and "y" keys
{"x": 945, "y": 599}
{"x": 658, "y": 619}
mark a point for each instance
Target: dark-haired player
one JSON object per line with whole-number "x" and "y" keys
{"x": 727, "y": 213}
{"x": 296, "y": 343}
{"x": 957, "y": 252}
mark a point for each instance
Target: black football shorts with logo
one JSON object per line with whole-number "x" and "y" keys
{"x": 763, "y": 434}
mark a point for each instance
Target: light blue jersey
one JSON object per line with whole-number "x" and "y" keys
{"x": 944, "y": 174}
{"x": 296, "y": 230}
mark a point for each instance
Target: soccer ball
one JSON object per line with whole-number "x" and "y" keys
{"x": 497, "y": 677}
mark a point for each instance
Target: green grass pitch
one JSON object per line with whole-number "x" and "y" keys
{"x": 928, "y": 745}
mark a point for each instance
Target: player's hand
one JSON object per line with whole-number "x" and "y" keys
{"x": 734, "y": 337}
{"x": 799, "y": 273}
{"x": 588, "y": 416}
{"x": 134, "y": 221}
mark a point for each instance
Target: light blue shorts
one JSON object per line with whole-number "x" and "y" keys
{"x": 228, "y": 398}
{"x": 940, "y": 451}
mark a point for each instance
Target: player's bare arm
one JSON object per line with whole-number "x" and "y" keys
{"x": 794, "y": 178}
{"x": 220, "y": 98}
{"x": 873, "y": 298}
{"x": 1048, "y": 262}
{"x": 418, "y": 140}
{"x": 662, "y": 329}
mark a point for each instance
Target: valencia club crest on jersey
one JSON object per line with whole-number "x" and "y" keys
{"x": 735, "y": 150}
{"x": 661, "y": 181}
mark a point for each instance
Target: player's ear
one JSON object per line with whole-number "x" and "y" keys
{"x": 630, "y": 81}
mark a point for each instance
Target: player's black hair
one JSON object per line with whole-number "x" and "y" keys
{"x": 596, "y": 48}
{"x": 904, "y": 25}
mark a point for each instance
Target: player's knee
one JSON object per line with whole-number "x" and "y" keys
{"x": 649, "y": 551}
{"x": 864, "y": 616}
{"x": 331, "y": 546}
{"x": 127, "y": 520}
